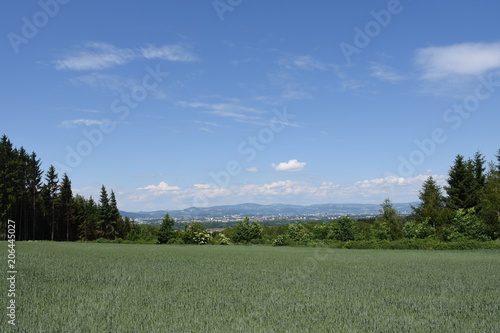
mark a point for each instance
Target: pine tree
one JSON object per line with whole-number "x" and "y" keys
{"x": 87, "y": 217}
{"x": 51, "y": 196}
{"x": 489, "y": 206}
{"x": 113, "y": 207}
{"x": 9, "y": 181}
{"x": 166, "y": 231}
{"x": 22, "y": 193}
{"x": 114, "y": 215}
{"x": 461, "y": 180}
{"x": 478, "y": 165}
{"x": 432, "y": 206}
{"x": 106, "y": 224}
{"x": 498, "y": 161}
{"x": 34, "y": 181}
{"x": 66, "y": 196}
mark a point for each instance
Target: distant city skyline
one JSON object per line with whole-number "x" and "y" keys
{"x": 214, "y": 103}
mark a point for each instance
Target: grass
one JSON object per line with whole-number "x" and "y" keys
{"x": 88, "y": 287}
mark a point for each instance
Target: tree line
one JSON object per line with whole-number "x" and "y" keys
{"x": 466, "y": 209}
{"x": 44, "y": 206}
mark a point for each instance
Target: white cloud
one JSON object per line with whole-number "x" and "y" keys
{"x": 76, "y": 122}
{"x": 467, "y": 59}
{"x": 95, "y": 56}
{"x": 99, "y": 56}
{"x": 161, "y": 188}
{"x": 292, "y": 166}
{"x": 111, "y": 82}
{"x": 303, "y": 62}
{"x": 235, "y": 111}
{"x": 202, "y": 186}
{"x": 252, "y": 169}
{"x": 386, "y": 73}
{"x": 168, "y": 52}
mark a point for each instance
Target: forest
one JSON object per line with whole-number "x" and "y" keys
{"x": 45, "y": 208}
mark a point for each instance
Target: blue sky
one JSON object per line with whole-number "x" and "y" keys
{"x": 186, "y": 103}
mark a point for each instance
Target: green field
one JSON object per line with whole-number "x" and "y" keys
{"x": 80, "y": 287}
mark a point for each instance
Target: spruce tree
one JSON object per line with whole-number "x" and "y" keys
{"x": 50, "y": 195}
{"x": 114, "y": 215}
{"x": 489, "y": 206}
{"x": 166, "y": 231}
{"x": 9, "y": 181}
{"x": 478, "y": 165}
{"x": 34, "y": 181}
{"x": 432, "y": 207}
{"x": 461, "y": 181}
{"x": 66, "y": 196}
{"x": 104, "y": 213}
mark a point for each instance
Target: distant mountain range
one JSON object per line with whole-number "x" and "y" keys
{"x": 262, "y": 211}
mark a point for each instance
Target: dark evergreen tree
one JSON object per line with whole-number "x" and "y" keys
{"x": 34, "y": 181}
{"x": 21, "y": 193}
{"x": 105, "y": 225}
{"x": 498, "y": 161}
{"x": 9, "y": 182}
{"x": 87, "y": 216}
{"x": 432, "y": 206}
{"x": 51, "y": 199}
{"x": 166, "y": 231}
{"x": 479, "y": 169}
{"x": 66, "y": 207}
{"x": 489, "y": 206}
{"x": 461, "y": 180}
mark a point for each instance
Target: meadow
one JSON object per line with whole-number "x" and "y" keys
{"x": 89, "y": 287}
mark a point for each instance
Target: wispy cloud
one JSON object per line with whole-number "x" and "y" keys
{"x": 291, "y": 166}
{"x": 386, "y": 73}
{"x": 208, "y": 126}
{"x": 169, "y": 52}
{"x": 234, "y": 111}
{"x": 111, "y": 82}
{"x": 77, "y": 122}
{"x": 94, "y": 56}
{"x": 252, "y": 169}
{"x": 467, "y": 59}
{"x": 303, "y": 63}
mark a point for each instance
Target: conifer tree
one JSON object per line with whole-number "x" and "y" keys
{"x": 8, "y": 180}
{"x": 114, "y": 215}
{"x": 432, "y": 207}
{"x": 51, "y": 194}
{"x": 166, "y": 231}
{"x": 104, "y": 213}
{"x": 460, "y": 182}
{"x": 66, "y": 195}
{"x": 34, "y": 181}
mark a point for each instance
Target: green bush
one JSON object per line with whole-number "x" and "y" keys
{"x": 281, "y": 240}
